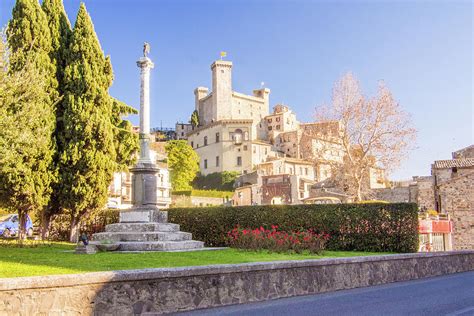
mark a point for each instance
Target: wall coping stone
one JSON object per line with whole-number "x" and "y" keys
{"x": 67, "y": 280}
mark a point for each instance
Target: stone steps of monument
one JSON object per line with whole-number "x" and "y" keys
{"x": 142, "y": 236}
{"x": 161, "y": 245}
{"x": 142, "y": 227}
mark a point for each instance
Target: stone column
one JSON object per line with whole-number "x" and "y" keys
{"x": 145, "y": 64}
{"x": 144, "y": 179}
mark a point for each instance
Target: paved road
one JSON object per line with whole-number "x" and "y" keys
{"x": 451, "y": 295}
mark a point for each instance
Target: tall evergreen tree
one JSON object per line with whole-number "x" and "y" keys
{"x": 61, "y": 32}
{"x": 88, "y": 160}
{"x": 125, "y": 140}
{"x": 25, "y": 140}
{"x": 29, "y": 42}
{"x": 60, "y": 29}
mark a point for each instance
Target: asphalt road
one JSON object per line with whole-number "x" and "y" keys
{"x": 446, "y": 295}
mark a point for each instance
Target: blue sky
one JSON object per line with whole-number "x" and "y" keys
{"x": 423, "y": 50}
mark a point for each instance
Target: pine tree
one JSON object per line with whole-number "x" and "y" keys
{"x": 25, "y": 140}
{"x": 61, "y": 32}
{"x": 29, "y": 42}
{"x": 88, "y": 160}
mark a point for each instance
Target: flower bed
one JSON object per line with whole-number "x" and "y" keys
{"x": 277, "y": 241}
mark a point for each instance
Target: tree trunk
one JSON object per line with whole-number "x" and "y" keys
{"x": 359, "y": 189}
{"x": 74, "y": 231}
{"x": 45, "y": 223}
{"x": 22, "y": 225}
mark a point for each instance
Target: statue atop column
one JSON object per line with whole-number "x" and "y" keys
{"x": 146, "y": 49}
{"x": 144, "y": 227}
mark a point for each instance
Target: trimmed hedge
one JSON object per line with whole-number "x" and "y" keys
{"x": 205, "y": 193}
{"x": 362, "y": 227}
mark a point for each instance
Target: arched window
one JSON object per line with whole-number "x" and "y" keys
{"x": 237, "y": 137}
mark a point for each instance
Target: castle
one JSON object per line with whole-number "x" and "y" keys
{"x": 237, "y": 132}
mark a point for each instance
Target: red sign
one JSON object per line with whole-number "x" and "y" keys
{"x": 426, "y": 226}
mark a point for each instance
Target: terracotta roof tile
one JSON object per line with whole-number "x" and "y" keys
{"x": 459, "y": 163}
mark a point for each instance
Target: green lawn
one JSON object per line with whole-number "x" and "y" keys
{"x": 57, "y": 258}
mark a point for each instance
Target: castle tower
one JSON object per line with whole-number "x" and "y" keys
{"x": 221, "y": 90}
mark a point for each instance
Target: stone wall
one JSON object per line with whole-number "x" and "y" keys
{"x": 397, "y": 194}
{"x": 138, "y": 292}
{"x": 457, "y": 199}
{"x": 191, "y": 201}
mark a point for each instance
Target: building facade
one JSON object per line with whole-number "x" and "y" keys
{"x": 237, "y": 132}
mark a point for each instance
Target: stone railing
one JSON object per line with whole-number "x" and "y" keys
{"x": 178, "y": 289}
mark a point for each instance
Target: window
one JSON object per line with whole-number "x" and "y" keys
{"x": 301, "y": 170}
{"x": 254, "y": 149}
{"x": 291, "y": 170}
{"x": 222, "y": 71}
{"x": 269, "y": 120}
{"x": 205, "y": 140}
{"x": 245, "y": 147}
{"x": 217, "y": 137}
{"x": 278, "y": 127}
{"x": 205, "y": 163}
{"x": 192, "y": 144}
{"x": 182, "y": 133}
{"x": 306, "y": 171}
{"x": 237, "y": 136}
{"x": 266, "y": 150}
{"x": 182, "y": 126}
{"x": 269, "y": 128}
{"x": 239, "y": 161}
{"x": 217, "y": 161}
{"x": 277, "y": 119}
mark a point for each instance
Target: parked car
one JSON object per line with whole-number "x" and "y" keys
{"x": 9, "y": 225}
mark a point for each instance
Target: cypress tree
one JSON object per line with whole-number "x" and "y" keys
{"x": 29, "y": 43}
{"x": 125, "y": 140}
{"x": 61, "y": 31}
{"x": 88, "y": 160}
{"x": 29, "y": 40}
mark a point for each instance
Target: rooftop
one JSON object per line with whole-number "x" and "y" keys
{"x": 458, "y": 163}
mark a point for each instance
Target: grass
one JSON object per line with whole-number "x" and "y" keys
{"x": 58, "y": 258}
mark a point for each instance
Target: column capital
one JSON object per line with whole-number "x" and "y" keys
{"x": 145, "y": 62}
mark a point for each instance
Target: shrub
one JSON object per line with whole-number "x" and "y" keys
{"x": 277, "y": 241}
{"x": 92, "y": 223}
{"x": 363, "y": 227}
{"x": 221, "y": 181}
